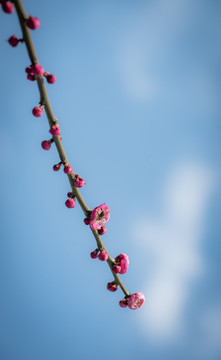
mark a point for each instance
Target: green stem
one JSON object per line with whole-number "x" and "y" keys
{"x": 22, "y": 16}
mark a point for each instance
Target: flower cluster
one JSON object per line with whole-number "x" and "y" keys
{"x": 100, "y": 254}
{"x": 121, "y": 264}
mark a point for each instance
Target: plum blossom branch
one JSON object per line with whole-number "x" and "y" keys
{"x": 98, "y": 216}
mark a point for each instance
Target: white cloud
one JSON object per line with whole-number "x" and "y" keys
{"x": 173, "y": 245}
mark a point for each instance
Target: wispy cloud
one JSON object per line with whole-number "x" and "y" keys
{"x": 173, "y": 245}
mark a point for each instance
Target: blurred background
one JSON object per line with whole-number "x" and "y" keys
{"x": 138, "y": 100}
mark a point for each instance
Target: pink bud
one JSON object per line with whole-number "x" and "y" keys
{"x": 54, "y": 130}
{"x": 33, "y": 23}
{"x": 102, "y": 231}
{"x": 37, "y": 111}
{"x": 68, "y": 169}
{"x": 56, "y": 167}
{"x": 70, "y": 203}
{"x": 78, "y": 182}
{"x": 136, "y": 300}
{"x": 112, "y": 286}
{"x": 116, "y": 269}
{"x": 7, "y": 7}
{"x": 46, "y": 144}
{"x": 31, "y": 77}
{"x": 87, "y": 221}
{"x": 51, "y": 78}
{"x": 13, "y": 40}
{"x": 37, "y": 70}
{"x": 103, "y": 256}
{"x": 70, "y": 194}
{"x": 28, "y": 70}
{"x": 94, "y": 253}
{"x": 123, "y": 303}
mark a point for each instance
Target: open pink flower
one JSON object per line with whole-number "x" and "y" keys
{"x": 99, "y": 216}
{"x": 136, "y": 300}
{"x": 121, "y": 264}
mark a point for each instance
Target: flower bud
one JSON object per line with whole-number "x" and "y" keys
{"x": 94, "y": 253}
{"x": 123, "y": 303}
{"x": 51, "y": 78}
{"x": 103, "y": 256}
{"x": 78, "y": 182}
{"x": 46, "y": 144}
{"x": 68, "y": 169}
{"x": 112, "y": 286}
{"x": 37, "y": 70}
{"x": 87, "y": 221}
{"x": 13, "y": 40}
{"x": 7, "y": 7}
{"x": 102, "y": 230}
{"x": 33, "y": 23}
{"x": 116, "y": 269}
{"x": 37, "y": 111}
{"x": 55, "y": 130}
{"x": 70, "y": 203}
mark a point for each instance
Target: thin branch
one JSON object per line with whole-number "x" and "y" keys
{"x": 22, "y": 16}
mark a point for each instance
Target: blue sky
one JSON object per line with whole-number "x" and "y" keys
{"x": 138, "y": 100}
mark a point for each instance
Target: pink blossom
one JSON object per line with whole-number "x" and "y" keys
{"x": 112, "y": 286}
{"x": 13, "y": 40}
{"x": 37, "y": 70}
{"x": 70, "y": 203}
{"x": 123, "y": 302}
{"x": 46, "y": 144}
{"x": 55, "y": 130}
{"x": 103, "y": 256}
{"x": 99, "y": 216}
{"x": 136, "y": 300}
{"x": 68, "y": 169}
{"x": 37, "y": 111}
{"x": 33, "y": 23}
{"x": 7, "y": 7}
{"x": 94, "y": 253}
{"x": 78, "y": 182}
